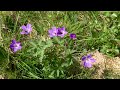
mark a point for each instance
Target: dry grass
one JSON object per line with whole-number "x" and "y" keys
{"x": 105, "y": 63}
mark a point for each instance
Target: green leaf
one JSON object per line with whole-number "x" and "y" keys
{"x": 62, "y": 71}
{"x": 114, "y": 15}
{"x": 69, "y": 51}
{"x": 25, "y": 65}
{"x": 33, "y": 44}
{"x": 52, "y": 74}
{"x": 42, "y": 55}
{"x": 49, "y": 43}
{"x": 71, "y": 62}
{"x": 116, "y": 51}
{"x": 58, "y": 41}
{"x": 33, "y": 75}
{"x": 58, "y": 73}
{"x": 107, "y": 13}
{"x": 64, "y": 65}
{"x": 118, "y": 41}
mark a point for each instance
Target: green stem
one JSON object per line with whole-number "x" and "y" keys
{"x": 89, "y": 39}
{"x": 16, "y": 21}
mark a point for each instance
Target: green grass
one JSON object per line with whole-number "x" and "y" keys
{"x": 41, "y": 58}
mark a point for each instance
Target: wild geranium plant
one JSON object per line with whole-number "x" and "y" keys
{"x": 59, "y": 40}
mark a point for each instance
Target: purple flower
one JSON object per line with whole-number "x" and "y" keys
{"x": 53, "y": 32}
{"x": 15, "y": 46}
{"x": 61, "y": 32}
{"x": 88, "y": 61}
{"x": 73, "y": 36}
{"x": 26, "y": 29}
{"x": 57, "y": 32}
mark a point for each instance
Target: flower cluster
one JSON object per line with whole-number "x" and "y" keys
{"x": 61, "y": 32}
{"x": 88, "y": 61}
{"x": 53, "y": 32}
{"x": 15, "y": 46}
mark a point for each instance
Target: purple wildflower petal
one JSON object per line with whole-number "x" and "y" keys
{"x": 18, "y": 43}
{"x": 28, "y": 25}
{"x": 88, "y": 61}
{"x": 63, "y": 28}
{"x": 84, "y": 58}
{"x": 11, "y": 46}
{"x": 15, "y": 46}
{"x": 18, "y": 48}
{"x": 14, "y": 41}
{"x": 54, "y": 28}
{"x": 15, "y": 49}
{"x": 26, "y": 29}
{"x": 92, "y": 60}
{"x": 59, "y": 31}
{"x": 62, "y": 35}
{"x": 87, "y": 64}
{"x": 72, "y": 36}
{"x": 53, "y": 32}
{"x": 23, "y": 32}
{"x": 62, "y": 32}
{"x": 89, "y": 56}
{"x": 50, "y": 31}
{"x": 65, "y": 32}
{"x": 23, "y": 27}
{"x": 29, "y": 29}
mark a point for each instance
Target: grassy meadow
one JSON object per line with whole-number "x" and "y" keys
{"x": 42, "y": 57}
